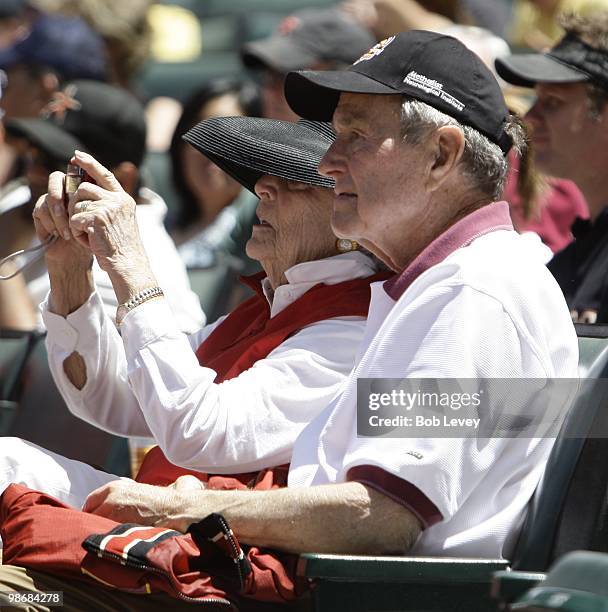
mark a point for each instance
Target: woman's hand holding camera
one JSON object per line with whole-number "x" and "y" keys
{"x": 100, "y": 217}
{"x": 51, "y": 219}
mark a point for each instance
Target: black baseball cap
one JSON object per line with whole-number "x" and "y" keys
{"x": 102, "y": 119}
{"x": 307, "y": 37}
{"x": 66, "y": 44}
{"x": 570, "y": 61}
{"x": 433, "y": 68}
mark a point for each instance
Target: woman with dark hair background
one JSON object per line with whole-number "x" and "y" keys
{"x": 215, "y": 214}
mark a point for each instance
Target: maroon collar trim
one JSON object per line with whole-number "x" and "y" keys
{"x": 489, "y": 218}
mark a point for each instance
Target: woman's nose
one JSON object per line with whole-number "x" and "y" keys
{"x": 266, "y": 187}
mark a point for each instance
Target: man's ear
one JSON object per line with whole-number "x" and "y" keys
{"x": 447, "y": 146}
{"x": 128, "y": 176}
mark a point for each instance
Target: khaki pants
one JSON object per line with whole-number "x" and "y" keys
{"x": 82, "y": 597}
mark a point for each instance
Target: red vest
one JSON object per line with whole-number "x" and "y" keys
{"x": 248, "y": 334}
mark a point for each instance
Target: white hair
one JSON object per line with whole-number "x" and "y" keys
{"x": 483, "y": 162}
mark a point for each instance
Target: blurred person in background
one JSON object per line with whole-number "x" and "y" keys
{"x": 387, "y": 17}
{"x": 14, "y": 21}
{"x": 536, "y": 22}
{"x": 215, "y": 215}
{"x": 110, "y": 122}
{"x": 569, "y": 128}
{"x": 206, "y": 193}
{"x": 15, "y": 305}
{"x": 57, "y": 49}
{"x": 310, "y": 39}
{"x": 547, "y": 209}
{"x": 50, "y": 51}
{"x": 123, "y": 27}
{"x": 494, "y": 16}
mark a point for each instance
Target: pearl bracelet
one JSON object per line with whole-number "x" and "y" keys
{"x": 136, "y": 300}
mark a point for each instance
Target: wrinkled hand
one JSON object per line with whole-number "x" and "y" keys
{"x": 102, "y": 215}
{"x": 126, "y": 501}
{"x": 51, "y": 217}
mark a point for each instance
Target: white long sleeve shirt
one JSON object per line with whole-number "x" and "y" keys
{"x": 149, "y": 382}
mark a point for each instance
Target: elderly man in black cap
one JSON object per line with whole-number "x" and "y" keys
{"x": 570, "y": 138}
{"x": 310, "y": 39}
{"x": 422, "y": 130}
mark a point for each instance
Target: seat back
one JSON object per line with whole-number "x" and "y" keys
{"x": 44, "y": 419}
{"x": 578, "y": 581}
{"x": 569, "y": 473}
{"x": 15, "y": 349}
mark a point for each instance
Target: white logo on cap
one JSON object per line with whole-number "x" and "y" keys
{"x": 375, "y": 50}
{"x": 432, "y": 87}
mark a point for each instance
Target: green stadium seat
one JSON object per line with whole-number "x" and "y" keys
{"x": 156, "y": 174}
{"x": 217, "y": 286}
{"x": 383, "y": 584}
{"x": 508, "y": 585}
{"x": 578, "y": 582}
{"x": 43, "y": 418}
{"x": 8, "y": 410}
{"x": 15, "y": 349}
{"x": 259, "y": 25}
{"x": 180, "y": 79}
{"x": 220, "y": 34}
{"x": 208, "y": 284}
{"x": 226, "y": 7}
{"x": 417, "y": 583}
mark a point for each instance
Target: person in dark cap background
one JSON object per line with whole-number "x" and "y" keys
{"x": 13, "y": 21}
{"x": 56, "y": 49}
{"x": 422, "y": 134}
{"x": 42, "y": 55}
{"x": 310, "y": 39}
{"x": 110, "y": 122}
{"x": 569, "y": 126}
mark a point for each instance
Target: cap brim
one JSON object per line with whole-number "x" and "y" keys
{"x": 46, "y": 136}
{"x": 247, "y": 148}
{"x": 314, "y": 95}
{"x": 528, "y": 69}
{"x": 279, "y": 53}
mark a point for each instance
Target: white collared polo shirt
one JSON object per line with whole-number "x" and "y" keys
{"x": 478, "y": 303}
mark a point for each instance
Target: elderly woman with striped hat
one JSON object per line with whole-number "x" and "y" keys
{"x": 234, "y": 396}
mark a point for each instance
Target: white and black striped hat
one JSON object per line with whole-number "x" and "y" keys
{"x": 248, "y": 147}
